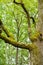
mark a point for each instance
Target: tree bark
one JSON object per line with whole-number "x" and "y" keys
{"x": 37, "y": 54}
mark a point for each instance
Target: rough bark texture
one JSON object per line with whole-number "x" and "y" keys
{"x": 40, "y": 44}
{"x": 37, "y": 54}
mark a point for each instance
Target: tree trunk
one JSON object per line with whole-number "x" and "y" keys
{"x": 37, "y": 54}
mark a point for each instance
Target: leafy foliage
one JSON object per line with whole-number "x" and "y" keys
{"x": 13, "y": 17}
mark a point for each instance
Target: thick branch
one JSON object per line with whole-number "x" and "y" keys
{"x": 9, "y": 34}
{"x": 17, "y": 44}
{"x": 4, "y": 28}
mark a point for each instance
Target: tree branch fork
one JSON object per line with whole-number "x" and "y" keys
{"x": 10, "y": 37}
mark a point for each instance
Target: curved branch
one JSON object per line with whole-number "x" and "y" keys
{"x": 25, "y": 10}
{"x": 17, "y": 44}
{"x": 9, "y": 34}
{"x": 4, "y": 28}
{"x": 33, "y": 21}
